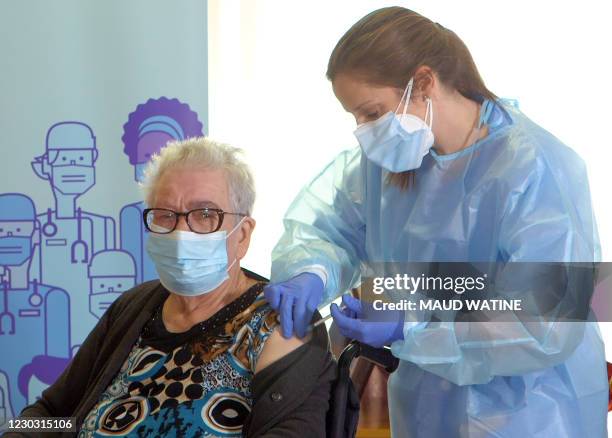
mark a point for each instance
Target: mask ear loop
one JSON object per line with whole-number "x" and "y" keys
{"x": 429, "y": 113}
{"x": 234, "y": 229}
{"x": 237, "y": 225}
{"x": 231, "y": 265}
{"x": 406, "y": 96}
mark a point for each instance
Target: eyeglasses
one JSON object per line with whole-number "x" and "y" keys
{"x": 201, "y": 220}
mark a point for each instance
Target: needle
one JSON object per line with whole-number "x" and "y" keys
{"x": 321, "y": 321}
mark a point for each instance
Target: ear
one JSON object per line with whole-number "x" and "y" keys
{"x": 244, "y": 236}
{"x": 41, "y": 167}
{"x": 424, "y": 82}
{"x": 36, "y": 233}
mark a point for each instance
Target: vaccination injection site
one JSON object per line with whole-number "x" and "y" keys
{"x": 305, "y": 219}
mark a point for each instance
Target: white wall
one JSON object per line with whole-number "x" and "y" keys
{"x": 269, "y": 95}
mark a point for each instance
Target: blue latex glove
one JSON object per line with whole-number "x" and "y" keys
{"x": 372, "y": 327}
{"x": 296, "y": 300}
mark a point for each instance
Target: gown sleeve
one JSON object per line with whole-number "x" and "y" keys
{"x": 325, "y": 229}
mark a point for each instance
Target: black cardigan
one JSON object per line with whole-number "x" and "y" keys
{"x": 290, "y": 396}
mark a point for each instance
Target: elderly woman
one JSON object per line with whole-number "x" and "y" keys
{"x": 198, "y": 352}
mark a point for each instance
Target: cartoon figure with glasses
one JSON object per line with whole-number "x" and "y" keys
{"x": 70, "y": 236}
{"x": 34, "y": 317}
{"x": 148, "y": 129}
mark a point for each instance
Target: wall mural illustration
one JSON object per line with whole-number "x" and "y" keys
{"x": 148, "y": 129}
{"x": 62, "y": 266}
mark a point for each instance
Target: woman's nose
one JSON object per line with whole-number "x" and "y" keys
{"x": 181, "y": 224}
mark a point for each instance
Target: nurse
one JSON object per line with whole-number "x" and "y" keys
{"x": 70, "y": 235}
{"x": 445, "y": 172}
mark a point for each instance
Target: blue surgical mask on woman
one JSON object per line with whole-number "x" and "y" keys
{"x": 188, "y": 263}
{"x": 398, "y": 142}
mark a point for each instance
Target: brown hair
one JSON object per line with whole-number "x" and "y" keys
{"x": 387, "y": 46}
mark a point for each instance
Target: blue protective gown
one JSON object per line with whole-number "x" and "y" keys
{"x": 518, "y": 195}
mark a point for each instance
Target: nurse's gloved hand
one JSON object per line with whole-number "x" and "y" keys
{"x": 296, "y": 300}
{"x": 358, "y": 320}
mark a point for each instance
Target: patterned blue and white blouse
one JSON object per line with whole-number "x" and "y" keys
{"x": 191, "y": 384}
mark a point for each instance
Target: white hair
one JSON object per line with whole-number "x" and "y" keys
{"x": 202, "y": 152}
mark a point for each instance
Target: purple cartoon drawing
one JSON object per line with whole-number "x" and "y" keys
{"x": 70, "y": 235}
{"x": 111, "y": 273}
{"x": 148, "y": 129}
{"x": 34, "y": 317}
{"x": 39, "y": 374}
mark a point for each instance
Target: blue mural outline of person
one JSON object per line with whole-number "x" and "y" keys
{"x": 6, "y": 407}
{"x": 111, "y": 272}
{"x": 70, "y": 236}
{"x": 34, "y": 317}
{"x": 148, "y": 129}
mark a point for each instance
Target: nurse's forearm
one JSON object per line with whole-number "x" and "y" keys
{"x": 467, "y": 355}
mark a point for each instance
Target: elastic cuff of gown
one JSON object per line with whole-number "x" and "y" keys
{"x": 318, "y": 270}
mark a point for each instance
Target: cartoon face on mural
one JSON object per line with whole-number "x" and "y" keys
{"x": 148, "y": 129}
{"x": 111, "y": 273}
{"x": 17, "y": 226}
{"x": 152, "y": 125}
{"x": 68, "y": 162}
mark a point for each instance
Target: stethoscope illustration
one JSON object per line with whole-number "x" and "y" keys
{"x": 49, "y": 229}
{"x": 35, "y": 300}
{"x": 6, "y": 315}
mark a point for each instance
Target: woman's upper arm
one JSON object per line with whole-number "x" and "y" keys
{"x": 300, "y": 373}
{"x": 276, "y": 347}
